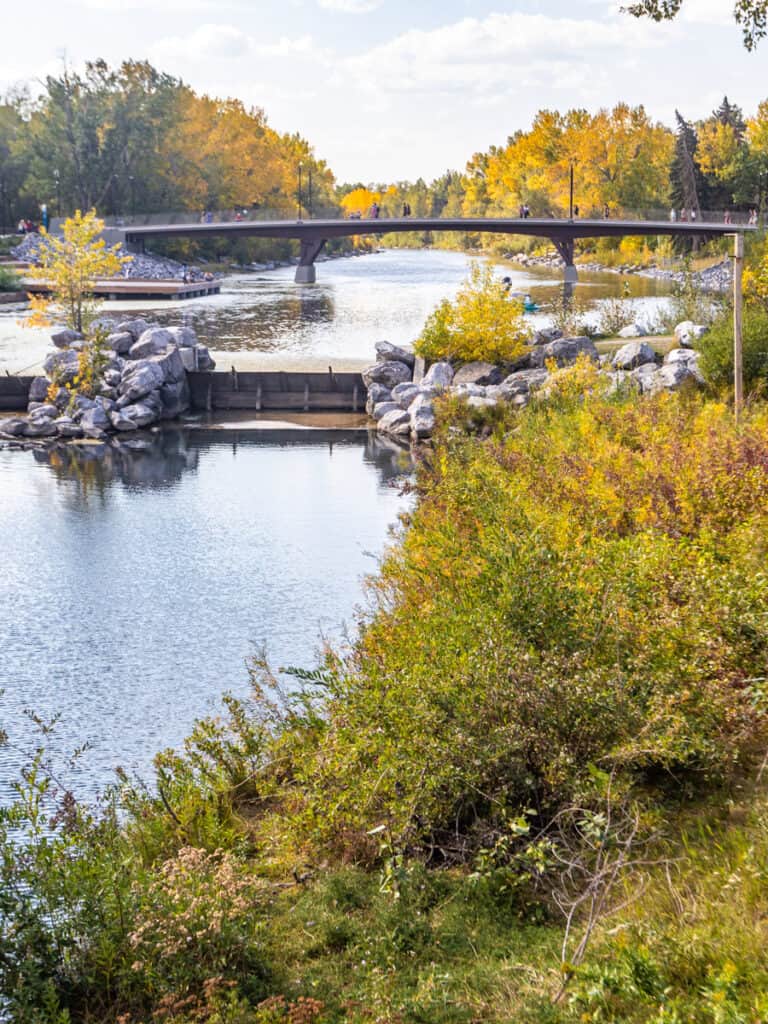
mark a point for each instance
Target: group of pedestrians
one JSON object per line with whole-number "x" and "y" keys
{"x": 687, "y": 216}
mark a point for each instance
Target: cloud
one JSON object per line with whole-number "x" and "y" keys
{"x": 350, "y": 6}
{"x": 209, "y": 40}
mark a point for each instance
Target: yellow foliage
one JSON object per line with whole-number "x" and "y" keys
{"x": 718, "y": 149}
{"x": 360, "y": 201}
{"x": 482, "y": 323}
{"x": 71, "y": 265}
{"x": 577, "y": 381}
{"x": 756, "y": 279}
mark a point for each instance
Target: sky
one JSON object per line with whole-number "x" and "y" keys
{"x": 387, "y": 90}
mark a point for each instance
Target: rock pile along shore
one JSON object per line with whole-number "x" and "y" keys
{"x": 143, "y": 381}
{"x": 142, "y": 266}
{"x": 404, "y": 406}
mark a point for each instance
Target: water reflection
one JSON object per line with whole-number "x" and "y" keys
{"x": 139, "y": 577}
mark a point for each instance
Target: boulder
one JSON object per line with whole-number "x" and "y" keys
{"x": 389, "y": 373}
{"x": 422, "y": 416}
{"x": 184, "y": 337}
{"x": 478, "y": 373}
{"x": 672, "y": 376}
{"x": 633, "y": 331}
{"x": 46, "y": 411}
{"x": 386, "y": 352}
{"x": 547, "y": 334}
{"x": 564, "y": 351}
{"x": 645, "y": 377}
{"x": 526, "y": 380}
{"x": 469, "y": 390}
{"x": 135, "y": 327}
{"x": 171, "y": 365}
{"x": 682, "y": 355}
{"x": 632, "y": 355}
{"x": 42, "y": 427}
{"x": 112, "y": 378}
{"x": 397, "y": 421}
{"x": 687, "y": 332}
{"x": 152, "y": 341}
{"x": 188, "y": 358}
{"x": 62, "y": 398}
{"x": 439, "y": 376}
{"x": 120, "y": 342}
{"x": 66, "y": 427}
{"x": 94, "y": 422}
{"x": 205, "y": 361}
{"x": 13, "y": 427}
{"x": 404, "y": 394}
{"x": 141, "y": 378}
{"x": 66, "y": 338}
{"x": 63, "y": 365}
{"x": 174, "y": 399}
{"x": 121, "y": 422}
{"x": 376, "y": 393}
{"x": 141, "y": 413}
{"x": 382, "y": 408}
{"x": 81, "y": 404}
{"x": 481, "y": 402}
{"x": 38, "y": 389}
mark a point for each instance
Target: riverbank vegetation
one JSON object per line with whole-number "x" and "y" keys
{"x": 530, "y": 790}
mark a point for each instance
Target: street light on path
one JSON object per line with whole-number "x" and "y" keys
{"x": 298, "y": 202}
{"x": 309, "y": 191}
{"x": 570, "y": 205}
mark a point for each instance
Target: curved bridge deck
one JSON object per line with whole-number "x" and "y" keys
{"x": 313, "y": 234}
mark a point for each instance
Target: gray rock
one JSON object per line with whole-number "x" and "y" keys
{"x": 62, "y": 365}
{"x": 398, "y": 421}
{"x": 184, "y": 337}
{"x": 478, "y": 373}
{"x": 205, "y": 361}
{"x": 404, "y": 394}
{"x": 80, "y": 403}
{"x": 174, "y": 398}
{"x": 62, "y": 398}
{"x": 564, "y": 351}
{"x": 527, "y": 380}
{"x": 547, "y": 334}
{"x": 386, "y": 352}
{"x": 135, "y": 328}
{"x": 376, "y": 393}
{"x": 645, "y": 377}
{"x": 112, "y": 378}
{"x": 469, "y": 390}
{"x": 682, "y": 355}
{"x": 42, "y": 427}
{"x": 94, "y": 422}
{"x": 107, "y": 392}
{"x": 672, "y": 376}
{"x": 13, "y": 427}
{"x": 140, "y": 378}
{"x": 481, "y": 402}
{"x": 152, "y": 341}
{"x": 46, "y": 411}
{"x": 688, "y": 332}
{"x": 439, "y": 376}
{"x": 38, "y": 389}
{"x": 422, "y": 417}
{"x": 632, "y": 355}
{"x": 66, "y": 338}
{"x": 121, "y": 422}
{"x": 66, "y": 427}
{"x": 121, "y": 342}
{"x": 381, "y": 409}
{"x": 390, "y": 373}
{"x": 188, "y": 358}
{"x": 141, "y": 413}
{"x": 633, "y": 331}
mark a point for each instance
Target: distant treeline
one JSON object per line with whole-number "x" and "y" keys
{"x": 136, "y": 140}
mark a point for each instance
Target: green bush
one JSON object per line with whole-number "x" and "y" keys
{"x": 716, "y": 349}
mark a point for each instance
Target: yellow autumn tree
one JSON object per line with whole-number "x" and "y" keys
{"x": 718, "y": 150}
{"x": 70, "y": 265}
{"x": 756, "y": 278}
{"x": 359, "y": 200}
{"x": 482, "y": 323}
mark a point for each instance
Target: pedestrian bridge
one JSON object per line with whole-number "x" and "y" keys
{"x": 312, "y": 235}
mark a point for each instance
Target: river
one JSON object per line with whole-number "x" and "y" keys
{"x": 263, "y": 321}
{"x": 136, "y": 585}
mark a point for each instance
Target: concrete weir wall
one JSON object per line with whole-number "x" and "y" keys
{"x": 269, "y": 391}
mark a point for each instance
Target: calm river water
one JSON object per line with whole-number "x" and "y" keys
{"x": 265, "y": 320}
{"x": 135, "y": 586}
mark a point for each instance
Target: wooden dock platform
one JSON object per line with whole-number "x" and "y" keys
{"x": 126, "y": 288}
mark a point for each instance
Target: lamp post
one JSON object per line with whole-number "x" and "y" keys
{"x": 57, "y": 182}
{"x": 298, "y": 201}
{"x": 131, "y": 183}
{"x": 570, "y": 204}
{"x": 309, "y": 191}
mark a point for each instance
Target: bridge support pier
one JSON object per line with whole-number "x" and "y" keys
{"x": 134, "y": 245}
{"x": 565, "y": 247}
{"x": 306, "y": 272}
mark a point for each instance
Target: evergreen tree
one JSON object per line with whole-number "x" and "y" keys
{"x": 686, "y": 179}
{"x": 731, "y": 115}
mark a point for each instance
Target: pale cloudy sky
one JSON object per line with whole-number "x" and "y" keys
{"x": 391, "y": 89}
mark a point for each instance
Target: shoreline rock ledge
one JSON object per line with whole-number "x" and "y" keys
{"x": 402, "y": 401}
{"x": 143, "y": 381}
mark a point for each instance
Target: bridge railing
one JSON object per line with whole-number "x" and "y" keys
{"x": 227, "y": 216}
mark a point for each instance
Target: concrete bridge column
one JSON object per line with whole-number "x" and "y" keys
{"x": 134, "y": 245}
{"x": 566, "y": 246}
{"x": 306, "y": 272}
